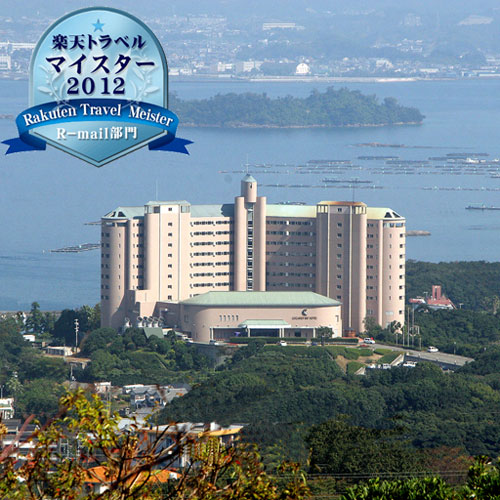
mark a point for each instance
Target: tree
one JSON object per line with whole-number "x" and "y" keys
{"x": 428, "y": 488}
{"x": 127, "y": 462}
{"x": 338, "y": 447}
{"x": 35, "y": 320}
{"x": 484, "y": 479}
{"x": 372, "y": 328}
{"x": 88, "y": 319}
{"x": 324, "y": 332}
{"x": 13, "y": 385}
{"x": 483, "y": 484}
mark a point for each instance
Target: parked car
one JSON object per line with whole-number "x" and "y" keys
{"x": 214, "y": 342}
{"x": 282, "y": 343}
{"x": 369, "y": 340}
{"x": 431, "y": 348}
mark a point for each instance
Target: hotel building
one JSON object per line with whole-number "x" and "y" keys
{"x": 157, "y": 256}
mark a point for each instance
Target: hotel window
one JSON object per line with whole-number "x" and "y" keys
{"x": 339, "y": 256}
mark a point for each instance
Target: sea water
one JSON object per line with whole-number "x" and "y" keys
{"x": 47, "y": 197}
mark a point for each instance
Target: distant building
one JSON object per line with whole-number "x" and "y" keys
{"x": 18, "y": 436}
{"x": 149, "y": 396}
{"x": 437, "y": 300}
{"x": 156, "y": 256}
{"x": 6, "y": 408}
{"x": 281, "y": 26}
{"x": 99, "y": 479}
{"x": 200, "y": 432}
{"x": 59, "y": 351}
{"x": 247, "y": 66}
{"x": 302, "y": 69}
{"x": 5, "y": 62}
{"x": 103, "y": 387}
{"x": 221, "y": 67}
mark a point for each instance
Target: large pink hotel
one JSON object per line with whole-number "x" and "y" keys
{"x": 157, "y": 258}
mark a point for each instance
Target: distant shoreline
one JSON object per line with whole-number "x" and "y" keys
{"x": 301, "y": 127}
{"x": 296, "y": 79}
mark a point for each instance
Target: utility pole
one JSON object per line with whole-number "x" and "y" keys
{"x": 76, "y": 333}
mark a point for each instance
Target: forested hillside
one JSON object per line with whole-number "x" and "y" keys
{"x": 475, "y": 285}
{"x": 332, "y": 108}
{"x": 280, "y": 392}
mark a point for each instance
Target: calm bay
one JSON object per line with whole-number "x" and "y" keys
{"x": 47, "y": 197}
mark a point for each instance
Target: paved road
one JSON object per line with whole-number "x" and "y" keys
{"x": 437, "y": 357}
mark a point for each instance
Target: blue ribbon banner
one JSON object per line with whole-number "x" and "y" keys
{"x": 80, "y": 110}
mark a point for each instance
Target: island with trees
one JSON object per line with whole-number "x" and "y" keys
{"x": 332, "y": 108}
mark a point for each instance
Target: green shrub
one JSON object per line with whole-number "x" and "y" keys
{"x": 382, "y": 351}
{"x": 365, "y": 352}
{"x": 389, "y": 357}
{"x": 268, "y": 340}
{"x": 343, "y": 340}
{"x": 336, "y": 350}
{"x": 351, "y": 353}
{"x": 353, "y": 367}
